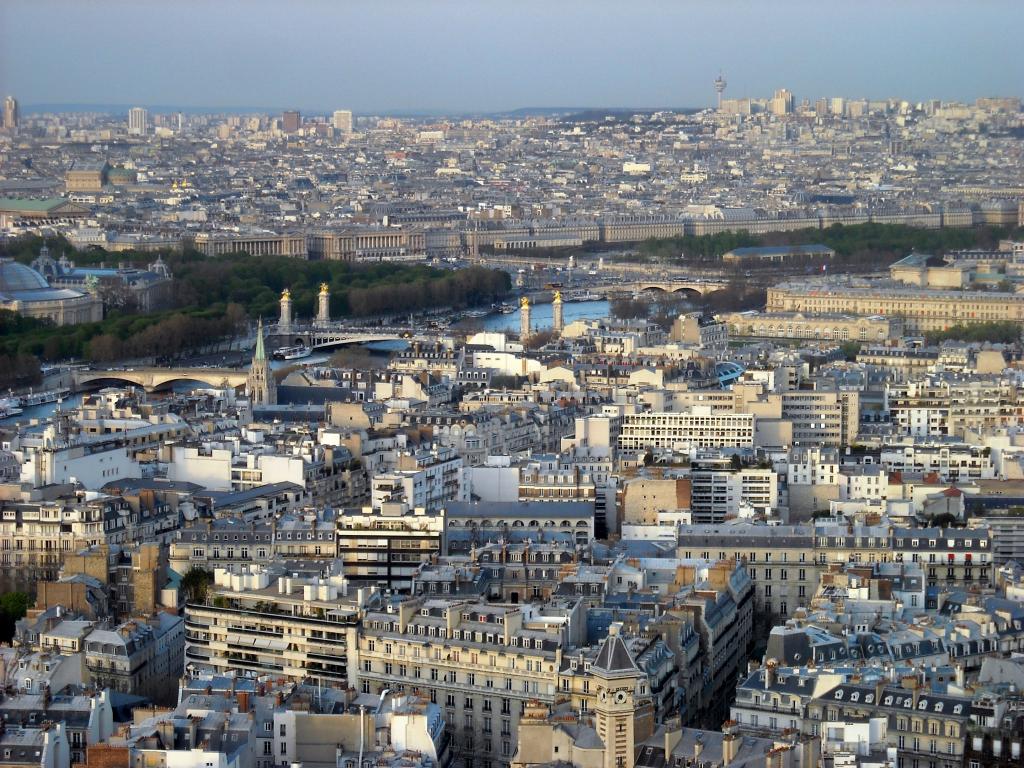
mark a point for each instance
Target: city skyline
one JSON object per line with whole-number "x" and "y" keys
{"x": 445, "y": 58}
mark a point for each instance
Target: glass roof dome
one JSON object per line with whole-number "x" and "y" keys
{"x": 15, "y": 276}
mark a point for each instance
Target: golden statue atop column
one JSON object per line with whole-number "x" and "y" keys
{"x": 323, "y": 312}
{"x": 285, "y": 320}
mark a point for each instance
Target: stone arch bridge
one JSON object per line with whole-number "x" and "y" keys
{"x": 701, "y": 287}
{"x": 151, "y": 379}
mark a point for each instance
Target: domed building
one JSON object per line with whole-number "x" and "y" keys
{"x": 25, "y": 291}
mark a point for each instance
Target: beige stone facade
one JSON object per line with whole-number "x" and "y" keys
{"x": 367, "y": 245}
{"x": 921, "y": 309}
{"x": 823, "y": 327}
{"x": 218, "y": 244}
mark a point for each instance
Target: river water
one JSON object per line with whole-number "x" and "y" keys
{"x": 540, "y": 320}
{"x": 540, "y": 316}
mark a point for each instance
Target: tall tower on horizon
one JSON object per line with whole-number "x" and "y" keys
{"x": 138, "y": 117}
{"x": 291, "y": 121}
{"x": 342, "y": 120}
{"x": 720, "y": 89}
{"x": 10, "y": 114}
{"x": 260, "y": 383}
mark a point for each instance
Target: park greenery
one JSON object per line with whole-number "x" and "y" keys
{"x": 215, "y": 297}
{"x": 867, "y": 246}
{"x": 13, "y": 606}
{"x": 1005, "y": 332}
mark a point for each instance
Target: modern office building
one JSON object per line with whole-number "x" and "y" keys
{"x": 10, "y": 114}
{"x": 138, "y": 119}
{"x": 291, "y": 121}
{"x": 387, "y": 547}
{"x": 718, "y": 490}
{"x": 342, "y": 120}
{"x": 781, "y": 103}
{"x": 697, "y": 428}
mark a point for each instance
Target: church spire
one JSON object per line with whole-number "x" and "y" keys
{"x": 260, "y": 383}
{"x": 260, "y": 352}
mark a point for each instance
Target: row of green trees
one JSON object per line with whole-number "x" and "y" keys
{"x": 213, "y": 297}
{"x": 13, "y": 606}
{"x": 166, "y": 334}
{"x": 859, "y": 244}
{"x": 1007, "y": 332}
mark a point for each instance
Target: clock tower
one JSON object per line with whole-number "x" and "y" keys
{"x": 623, "y": 712}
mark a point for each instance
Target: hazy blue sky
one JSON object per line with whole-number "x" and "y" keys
{"x": 460, "y": 55}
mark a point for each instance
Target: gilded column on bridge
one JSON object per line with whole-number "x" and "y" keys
{"x": 524, "y": 319}
{"x": 285, "y": 322}
{"x": 556, "y": 313}
{"x": 323, "y": 312}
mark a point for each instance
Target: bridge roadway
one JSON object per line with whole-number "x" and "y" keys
{"x": 316, "y": 336}
{"x": 154, "y": 378}
{"x": 692, "y": 285}
{"x": 312, "y": 336}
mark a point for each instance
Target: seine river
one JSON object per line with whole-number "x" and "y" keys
{"x": 540, "y": 320}
{"x": 540, "y": 315}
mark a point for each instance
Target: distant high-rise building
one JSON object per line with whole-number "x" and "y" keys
{"x": 343, "y": 120}
{"x": 138, "y": 119}
{"x": 10, "y": 113}
{"x": 291, "y": 121}
{"x": 781, "y": 103}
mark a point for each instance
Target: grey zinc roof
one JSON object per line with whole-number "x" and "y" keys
{"x": 614, "y": 657}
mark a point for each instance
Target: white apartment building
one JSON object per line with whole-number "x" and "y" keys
{"x": 342, "y": 120}
{"x": 718, "y": 491}
{"x": 953, "y": 462}
{"x": 138, "y": 119}
{"x": 427, "y": 479}
{"x": 868, "y": 481}
{"x": 813, "y": 466}
{"x": 269, "y": 620}
{"x": 93, "y": 463}
{"x": 695, "y": 429}
{"x": 945, "y": 404}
